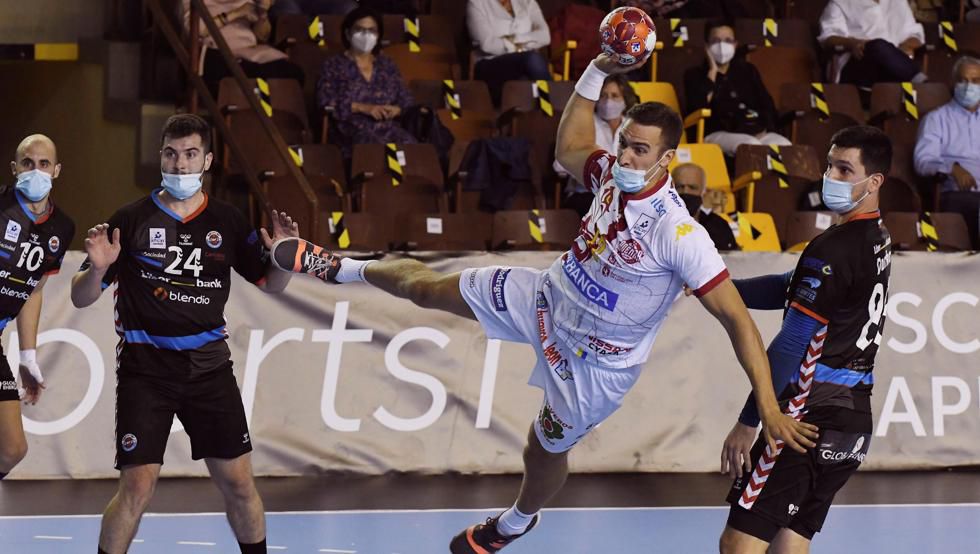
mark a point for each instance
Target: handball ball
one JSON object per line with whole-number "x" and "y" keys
{"x": 627, "y": 35}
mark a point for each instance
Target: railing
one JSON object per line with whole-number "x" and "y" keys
{"x": 188, "y": 54}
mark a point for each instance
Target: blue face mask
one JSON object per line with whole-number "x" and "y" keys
{"x": 967, "y": 94}
{"x": 182, "y": 186}
{"x": 632, "y": 180}
{"x": 837, "y": 194}
{"x": 34, "y": 184}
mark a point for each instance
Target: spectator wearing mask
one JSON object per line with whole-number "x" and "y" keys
{"x": 879, "y": 38}
{"x": 364, "y": 87}
{"x": 506, "y": 35}
{"x": 742, "y": 111}
{"x": 616, "y": 98}
{"x": 245, "y": 26}
{"x": 949, "y": 145}
{"x": 690, "y": 183}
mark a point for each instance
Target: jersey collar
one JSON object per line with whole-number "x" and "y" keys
{"x": 156, "y": 200}
{"x": 35, "y": 219}
{"x": 867, "y": 215}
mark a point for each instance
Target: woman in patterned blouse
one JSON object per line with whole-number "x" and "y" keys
{"x": 364, "y": 87}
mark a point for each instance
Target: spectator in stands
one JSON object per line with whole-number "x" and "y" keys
{"x": 363, "y": 87}
{"x": 690, "y": 183}
{"x": 879, "y": 39}
{"x": 742, "y": 111}
{"x": 246, "y": 28}
{"x": 312, "y": 7}
{"x": 616, "y": 98}
{"x": 949, "y": 145}
{"x": 506, "y": 35}
{"x": 973, "y": 11}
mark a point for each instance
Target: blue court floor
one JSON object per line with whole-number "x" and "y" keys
{"x": 891, "y": 529}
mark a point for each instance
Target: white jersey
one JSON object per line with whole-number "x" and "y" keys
{"x": 611, "y": 292}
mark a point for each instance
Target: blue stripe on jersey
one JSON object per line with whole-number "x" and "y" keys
{"x": 23, "y": 206}
{"x": 4, "y": 254}
{"x": 151, "y": 261}
{"x": 845, "y": 377}
{"x": 189, "y": 342}
{"x": 4, "y": 322}
{"x": 164, "y": 209}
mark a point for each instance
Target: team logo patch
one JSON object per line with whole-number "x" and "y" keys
{"x": 128, "y": 442}
{"x": 811, "y": 282}
{"x": 160, "y": 293}
{"x": 645, "y": 222}
{"x": 54, "y": 243}
{"x": 630, "y": 251}
{"x": 541, "y": 301}
{"x": 13, "y": 231}
{"x": 213, "y": 239}
{"x": 158, "y": 237}
{"x": 551, "y": 425}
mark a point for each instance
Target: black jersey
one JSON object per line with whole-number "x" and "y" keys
{"x": 173, "y": 274}
{"x": 841, "y": 281}
{"x": 32, "y": 247}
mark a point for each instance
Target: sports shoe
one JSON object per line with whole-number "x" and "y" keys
{"x": 300, "y": 256}
{"x": 483, "y": 538}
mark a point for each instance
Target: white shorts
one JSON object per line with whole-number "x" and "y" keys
{"x": 513, "y": 304}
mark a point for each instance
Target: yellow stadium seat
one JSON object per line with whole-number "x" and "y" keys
{"x": 665, "y": 93}
{"x": 756, "y": 232}
{"x": 711, "y": 159}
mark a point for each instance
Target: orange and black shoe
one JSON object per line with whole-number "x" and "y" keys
{"x": 483, "y": 538}
{"x": 300, "y": 256}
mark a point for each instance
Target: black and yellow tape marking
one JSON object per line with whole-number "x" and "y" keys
{"x": 412, "y": 35}
{"x": 929, "y": 232}
{"x": 544, "y": 98}
{"x": 677, "y": 32}
{"x": 770, "y": 31}
{"x": 315, "y": 31}
{"x": 40, "y": 52}
{"x": 296, "y": 153}
{"x": 534, "y": 226}
{"x": 948, "y": 37}
{"x": 775, "y": 162}
{"x": 819, "y": 100}
{"x": 396, "y": 169}
{"x": 909, "y": 100}
{"x": 265, "y": 95}
{"x": 340, "y": 233}
{"x": 449, "y": 92}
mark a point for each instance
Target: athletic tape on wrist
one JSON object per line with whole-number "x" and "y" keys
{"x": 28, "y": 356}
{"x": 589, "y": 85}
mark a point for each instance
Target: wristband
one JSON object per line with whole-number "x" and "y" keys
{"x": 28, "y": 356}
{"x": 589, "y": 85}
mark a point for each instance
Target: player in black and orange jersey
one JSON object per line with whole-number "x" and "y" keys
{"x": 35, "y": 239}
{"x": 171, "y": 255}
{"x": 822, "y": 359}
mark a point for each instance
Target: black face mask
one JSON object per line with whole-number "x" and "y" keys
{"x": 692, "y": 201}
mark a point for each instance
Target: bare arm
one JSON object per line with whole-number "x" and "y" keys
{"x": 725, "y": 304}
{"x": 86, "y": 285}
{"x": 29, "y": 315}
{"x": 283, "y": 226}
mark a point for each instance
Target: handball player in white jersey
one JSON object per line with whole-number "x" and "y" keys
{"x": 592, "y": 317}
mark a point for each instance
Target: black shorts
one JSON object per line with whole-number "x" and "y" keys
{"x": 207, "y": 403}
{"x": 8, "y": 385}
{"x": 798, "y": 489}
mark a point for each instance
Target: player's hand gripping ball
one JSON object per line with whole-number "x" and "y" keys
{"x": 627, "y": 35}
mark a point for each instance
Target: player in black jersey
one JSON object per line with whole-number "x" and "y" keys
{"x": 35, "y": 239}
{"x": 822, "y": 359}
{"x": 170, "y": 256}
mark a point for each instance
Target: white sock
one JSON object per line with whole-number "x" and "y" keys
{"x": 513, "y": 522}
{"x": 351, "y": 270}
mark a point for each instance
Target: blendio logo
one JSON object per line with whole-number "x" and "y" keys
{"x": 4, "y": 291}
{"x": 188, "y": 299}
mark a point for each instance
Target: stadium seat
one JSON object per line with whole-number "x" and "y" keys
{"x": 888, "y": 109}
{"x": 258, "y": 147}
{"x": 803, "y": 227}
{"x": 285, "y": 95}
{"x": 807, "y": 10}
{"x": 755, "y": 33}
{"x": 664, "y": 93}
{"x": 906, "y": 231}
{"x": 898, "y": 195}
{"x": 840, "y": 98}
{"x": 680, "y": 33}
{"x": 711, "y": 159}
{"x": 523, "y": 96}
{"x": 754, "y": 232}
{"x": 285, "y": 194}
{"x": 294, "y": 29}
{"x": 322, "y": 161}
{"x": 431, "y": 63}
{"x": 534, "y": 229}
{"x": 358, "y": 232}
{"x": 940, "y": 57}
{"x": 434, "y": 30}
{"x": 473, "y": 95}
{"x": 456, "y": 232}
{"x": 783, "y": 64}
{"x": 373, "y": 180}
{"x": 469, "y": 124}
{"x": 670, "y": 66}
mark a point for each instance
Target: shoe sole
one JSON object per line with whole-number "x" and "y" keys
{"x": 463, "y": 543}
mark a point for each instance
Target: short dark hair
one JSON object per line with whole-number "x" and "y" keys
{"x": 361, "y": 12}
{"x": 713, "y": 24}
{"x": 184, "y": 125}
{"x": 662, "y": 116}
{"x": 874, "y": 145}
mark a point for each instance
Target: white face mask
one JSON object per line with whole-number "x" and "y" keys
{"x": 34, "y": 184}
{"x": 634, "y": 180}
{"x": 363, "y": 41}
{"x": 610, "y": 108}
{"x": 182, "y": 186}
{"x": 722, "y": 52}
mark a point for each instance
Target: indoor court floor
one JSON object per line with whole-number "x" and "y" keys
{"x": 893, "y": 513}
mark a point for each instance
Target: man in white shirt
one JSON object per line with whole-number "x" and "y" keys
{"x": 879, "y": 38}
{"x": 592, "y": 317}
